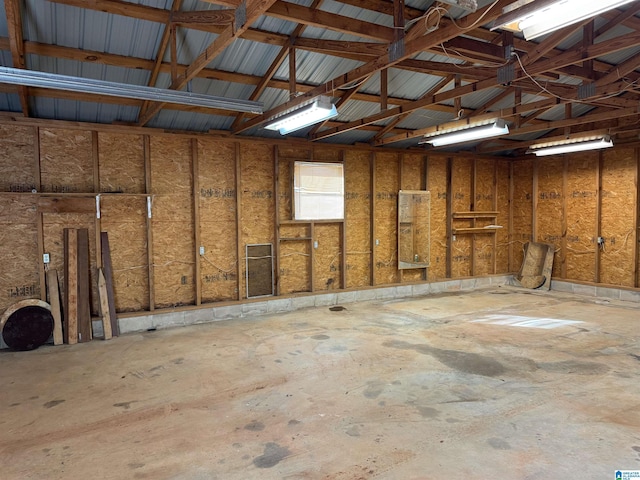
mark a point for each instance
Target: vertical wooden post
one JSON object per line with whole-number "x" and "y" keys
{"x": 41, "y": 266}
{"x": 449, "y": 216}
{"x": 276, "y": 225}
{"x": 37, "y": 176}
{"x": 565, "y": 223}
{"x": 195, "y": 190}
{"x": 534, "y": 199}
{"x": 95, "y": 153}
{"x": 54, "y": 301}
{"x": 400, "y": 180}
{"x": 343, "y": 246}
{"x": 424, "y": 182}
{"x": 148, "y": 191}
{"x": 85, "y": 328}
{"x": 495, "y": 209}
{"x": 312, "y": 258}
{"x": 636, "y": 230}
{"x": 472, "y": 208}
{"x": 372, "y": 213}
{"x": 510, "y": 235}
{"x": 384, "y": 83}
{"x": 239, "y": 254}
{"x": 596, "y": 269}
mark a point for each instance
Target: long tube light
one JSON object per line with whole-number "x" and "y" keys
{"x": 541, "y": 17}
{"x": 499, "y": 127}
{"x": 320, "y": 110}
{"x": 574, "y": 146}
{"x": 31, "y": 78}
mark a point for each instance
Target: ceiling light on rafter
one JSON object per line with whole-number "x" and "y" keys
{"x": 466, "y": 134}
{"x": 571, "y": 145}
{"x": 539, "y": 17}
{"x": 31, "y": 78}
{"x": 320, "y": 110}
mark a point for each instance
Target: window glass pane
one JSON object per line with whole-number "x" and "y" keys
{"x": 318, "y": 191}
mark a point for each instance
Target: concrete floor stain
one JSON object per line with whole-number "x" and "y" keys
{"x": 273, "y": 454}
{"x": 466, "y": 362}
{"x": 254, "y": 426}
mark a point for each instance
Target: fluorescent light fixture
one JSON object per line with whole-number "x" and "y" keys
{"x": 540, "y": 17}
{"x": 468, "y": 134}
{"x": 31, "y": 78}
{"x": 318, "y": 111}
{"x": 571, "y": 146}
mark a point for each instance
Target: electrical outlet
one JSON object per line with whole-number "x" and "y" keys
{"x": 201, "y": 250}
{"x": 315, "y": 244}
{"x": 453, "y": 238}
{"x": 377, "y": 241}
{"x": 45, "y": 258}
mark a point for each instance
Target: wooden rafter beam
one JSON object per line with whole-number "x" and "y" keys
{"x": 330, "y": 21}
{"x": 16, "y": 45}
{"x": 410, "y": 48}
{"x": 254, "y": 9}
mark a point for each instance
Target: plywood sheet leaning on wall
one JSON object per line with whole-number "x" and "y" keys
{"x": 385, "y": 197}
{"x": 257, "y": 198}
{"x": 327, "y": 257}
{"x": 20, "y": 279}
{"x": 484, "y": 201}
{"x": 502, "y": 204}
{"x": 618, "y": 217}
{"x": 18, "y": 159}
{"x": 295, "y": 259}
{"x": 121, "y": 162}
{"x": 522, "y": 227}
{"x": 124, "y": 219}
{"x": 461, "y": 192}
{"x": 357, "y": 179}
{"x": 172, "y": 222}
{"x": 549, "y": 214}
{"x": 413, "y": 177}
{"x": 437, "y": 185}
{"x": 581, "y": 211}
{"x": 217, "y": 208}
{"x": 53, "y": 225}
{"x": 66, "y": 160}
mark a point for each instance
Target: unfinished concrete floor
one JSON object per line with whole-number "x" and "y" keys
{"x": 411, "y": 389}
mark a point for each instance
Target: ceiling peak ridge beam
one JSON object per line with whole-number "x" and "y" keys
{"x": 245, "y": 16}
{"x": 411, "y": 48}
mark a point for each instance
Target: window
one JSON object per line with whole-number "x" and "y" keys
{"x": 318, "y": 191}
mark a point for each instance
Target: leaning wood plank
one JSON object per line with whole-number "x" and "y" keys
{"x": 53, "y": 291}
{"x": 84, "y": 301}
{"x": 104, "y": 305}
{"x": 70, "y": 323}
{"x": 108, "y": 276}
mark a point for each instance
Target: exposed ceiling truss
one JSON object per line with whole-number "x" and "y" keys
{"x": 395, "y": 72}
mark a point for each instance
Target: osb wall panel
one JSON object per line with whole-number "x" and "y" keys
{"x": 217, "y": 208}
{"x": 53, "y": 232}
{"x": 124, "y": 219}
{"x": 412, "y": 179}
{"x": 618, "y": 217}
{"x": 17, "y": 158}
{"x": 172, "y": 221}
{"x": 327, "y": 155}
{"x": 522, "y": 227}
{"x": 121, "y": 163}
{"x": 257, "y": 198}
{"x": 327, "y": 257}
{"x": 437, "y": 185}
{"x": 502, "y": 239}
{"x": 18, "y": 250}
{"x": 295, "y": 266}
{"x": 581, "y": 210}
{"x": 386, "y": 218}
{"x": 66, "y": 160}
{"x": 484, "y": 200}
{"x": 285, "y": 172}
{"x": 549, "y": 213}
{"x": 295, "y": 153}
{"x": 461, "y": 175}
{"x": 357, "y": 178}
